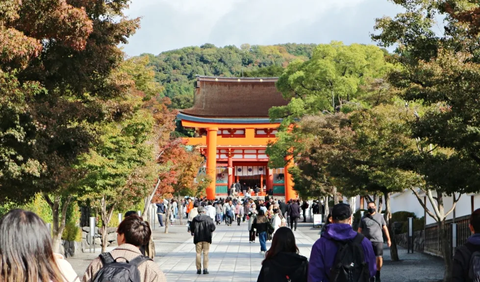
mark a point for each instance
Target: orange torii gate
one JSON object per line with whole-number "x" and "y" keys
{"x": 232, "y": 129}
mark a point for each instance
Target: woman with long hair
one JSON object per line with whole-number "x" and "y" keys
{"x": 261, "y": 224}
{"x": 282, "y": 261}
{"x": 26, "y": 251}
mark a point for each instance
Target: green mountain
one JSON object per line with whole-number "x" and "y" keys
{"x": 176, "y": 70}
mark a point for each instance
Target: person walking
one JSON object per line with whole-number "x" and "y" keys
{"x": 251, "y": 218}
{"x": 160, "y": 212}
{"x": 262, "y": 226}
{"x": 132, "y": 233}
{"x": 239, "y": 212}
{"x": 202, "y": 227}
{"x": 278, "y": 220}
{"x": 371, "y": 226}
{"x": 282, "y": 261}
{"x": 218, "y": 212}
{"x": 26, "y": 250}
{"x": 294, "y": 213}
{"x": 304, "y": 209}
{"x": 191, "y": 215}
{"x": 335, "y": 246}
{"x": 465, "y": 265}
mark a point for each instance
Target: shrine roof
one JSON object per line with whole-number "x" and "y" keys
{"x": 234, "y": 97}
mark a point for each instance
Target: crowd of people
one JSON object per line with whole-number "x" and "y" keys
{"x": 339, "y": 254}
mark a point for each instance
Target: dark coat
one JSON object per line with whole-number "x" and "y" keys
{"x": 282, "y": 265}
{"x": 294, "y": 210}
{"x": 260, "y": 223}
{"x": 202, "y": 227}
{"x": 283, "y": 207}
{"x": 461, "y": 260}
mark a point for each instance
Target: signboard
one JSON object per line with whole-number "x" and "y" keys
{"x": 317, "y": 219}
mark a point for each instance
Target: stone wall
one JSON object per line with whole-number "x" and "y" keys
{"x": 418, "y": 240}
{"x": 86, "y": 241}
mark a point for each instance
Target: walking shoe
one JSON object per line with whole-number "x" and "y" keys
{"x": 205, "y": 271}
{"x": 199, "y": 271}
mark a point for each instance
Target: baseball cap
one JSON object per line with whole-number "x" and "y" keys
{"x": 200, "y": 209}
{"x": 341, "y": 212}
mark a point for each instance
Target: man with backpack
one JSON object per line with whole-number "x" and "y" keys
{"x": 202, "y": 227}
{"x": 340, "y": 247}
{"x": 371, "y": 226}
{"x": 466, "y": 262}
{"x": 126, "y": 262}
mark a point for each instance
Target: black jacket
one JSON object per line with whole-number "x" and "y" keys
{"x": 282, "y": 265}
{"x": 283, "y": 207}
{"x": 461, "y": 260}
{"x": 260, "y": 223}
{"x": 294, "y": 210}
{"x": 202, "y": 227}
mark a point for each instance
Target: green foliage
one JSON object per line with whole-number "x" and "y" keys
{"x": 177, "y": 69}
{"x": 72, "y": 232}
{"x": 39, "y": 206}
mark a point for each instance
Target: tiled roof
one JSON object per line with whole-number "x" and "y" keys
{"x": 235, "y": 97}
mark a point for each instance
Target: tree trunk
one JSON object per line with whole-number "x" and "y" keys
{"x": 180, "y": 210}
{"x": 335, "y": 195}
{"x": 380, "y": 204}
{"x": 167, "y": 215}
{"x": 326, "y": 208}
{"x": 59, "y": 217}
{"x": 444, "y": 242}
{"x": 388, "y": 216}
{"x": 106, "y": 216}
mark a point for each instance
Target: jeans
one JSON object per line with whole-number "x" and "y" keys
{"x": 160, "y": 218}
{"x": 263, "y": 241}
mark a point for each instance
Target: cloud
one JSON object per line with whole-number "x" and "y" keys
{"x": 168, "y": 25}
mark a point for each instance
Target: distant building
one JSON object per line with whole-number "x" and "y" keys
{"x": 232, "y": 127}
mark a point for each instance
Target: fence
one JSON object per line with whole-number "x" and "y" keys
{"x": 432, "y": 235}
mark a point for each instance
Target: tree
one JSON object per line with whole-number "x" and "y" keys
{"x": 440, "y": 70}
{"x": 55, "y": 62}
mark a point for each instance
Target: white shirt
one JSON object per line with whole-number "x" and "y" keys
{"x": 210, "y": 211}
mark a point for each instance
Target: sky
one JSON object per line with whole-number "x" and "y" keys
{"x": 173, "y": 24}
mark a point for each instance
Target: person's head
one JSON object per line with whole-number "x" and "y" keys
{"x": 133, "y": 230}
{"x": 25, "y": 249}
{"x": 371, "y": 207}
{"x": 195, "y": 204}
{"x": 475, "y": 221}
{"x": 342, "y": 213}
{"x": 130, "y": 213}
{"x": 283, "y": 241}
{"x": 201, "y": 210}
{"x": 329, "y": 218}
{"x": 261, "y": 212}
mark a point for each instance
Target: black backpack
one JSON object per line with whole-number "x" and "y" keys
{"x": 119, "y": 271}
{"x": 471, "y": 253}
{"x": 349, "y": 264}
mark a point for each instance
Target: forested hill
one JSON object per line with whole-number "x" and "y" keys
{"x": 176, "y": 69}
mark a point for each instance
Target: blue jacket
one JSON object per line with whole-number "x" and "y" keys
{"x": 323, "y": 252}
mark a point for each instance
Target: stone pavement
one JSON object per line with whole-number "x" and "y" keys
{"x": 233, "y": 258}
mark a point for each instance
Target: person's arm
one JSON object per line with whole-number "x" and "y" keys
{"x": 316, "y": 266}
{"x": 261, "y": 275}
{"x": 370, "y": 257}
{"x": 458, "y": 270}
{"x": 387, "y": 234}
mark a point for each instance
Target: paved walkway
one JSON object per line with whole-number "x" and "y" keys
{"x": 232, "y": 257}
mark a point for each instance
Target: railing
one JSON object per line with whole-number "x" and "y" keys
{"x": 432, "y": 235}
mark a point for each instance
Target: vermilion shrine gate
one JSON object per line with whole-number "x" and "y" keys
{"x": 232, "y": 129}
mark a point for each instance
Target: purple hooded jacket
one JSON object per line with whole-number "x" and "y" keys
{"x": 323, "y": 252}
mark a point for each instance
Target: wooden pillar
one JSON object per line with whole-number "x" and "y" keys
{"x": 289, "y": 192}
{"x": 230, "y": 170}
{"x": 472, "y": 202}
{"x": 261, "y": 183}
{"x": 269, "y": 178}
{"x": 212, "y": 161}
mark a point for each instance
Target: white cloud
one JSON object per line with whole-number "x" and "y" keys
{"x": 168, "y": 24}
